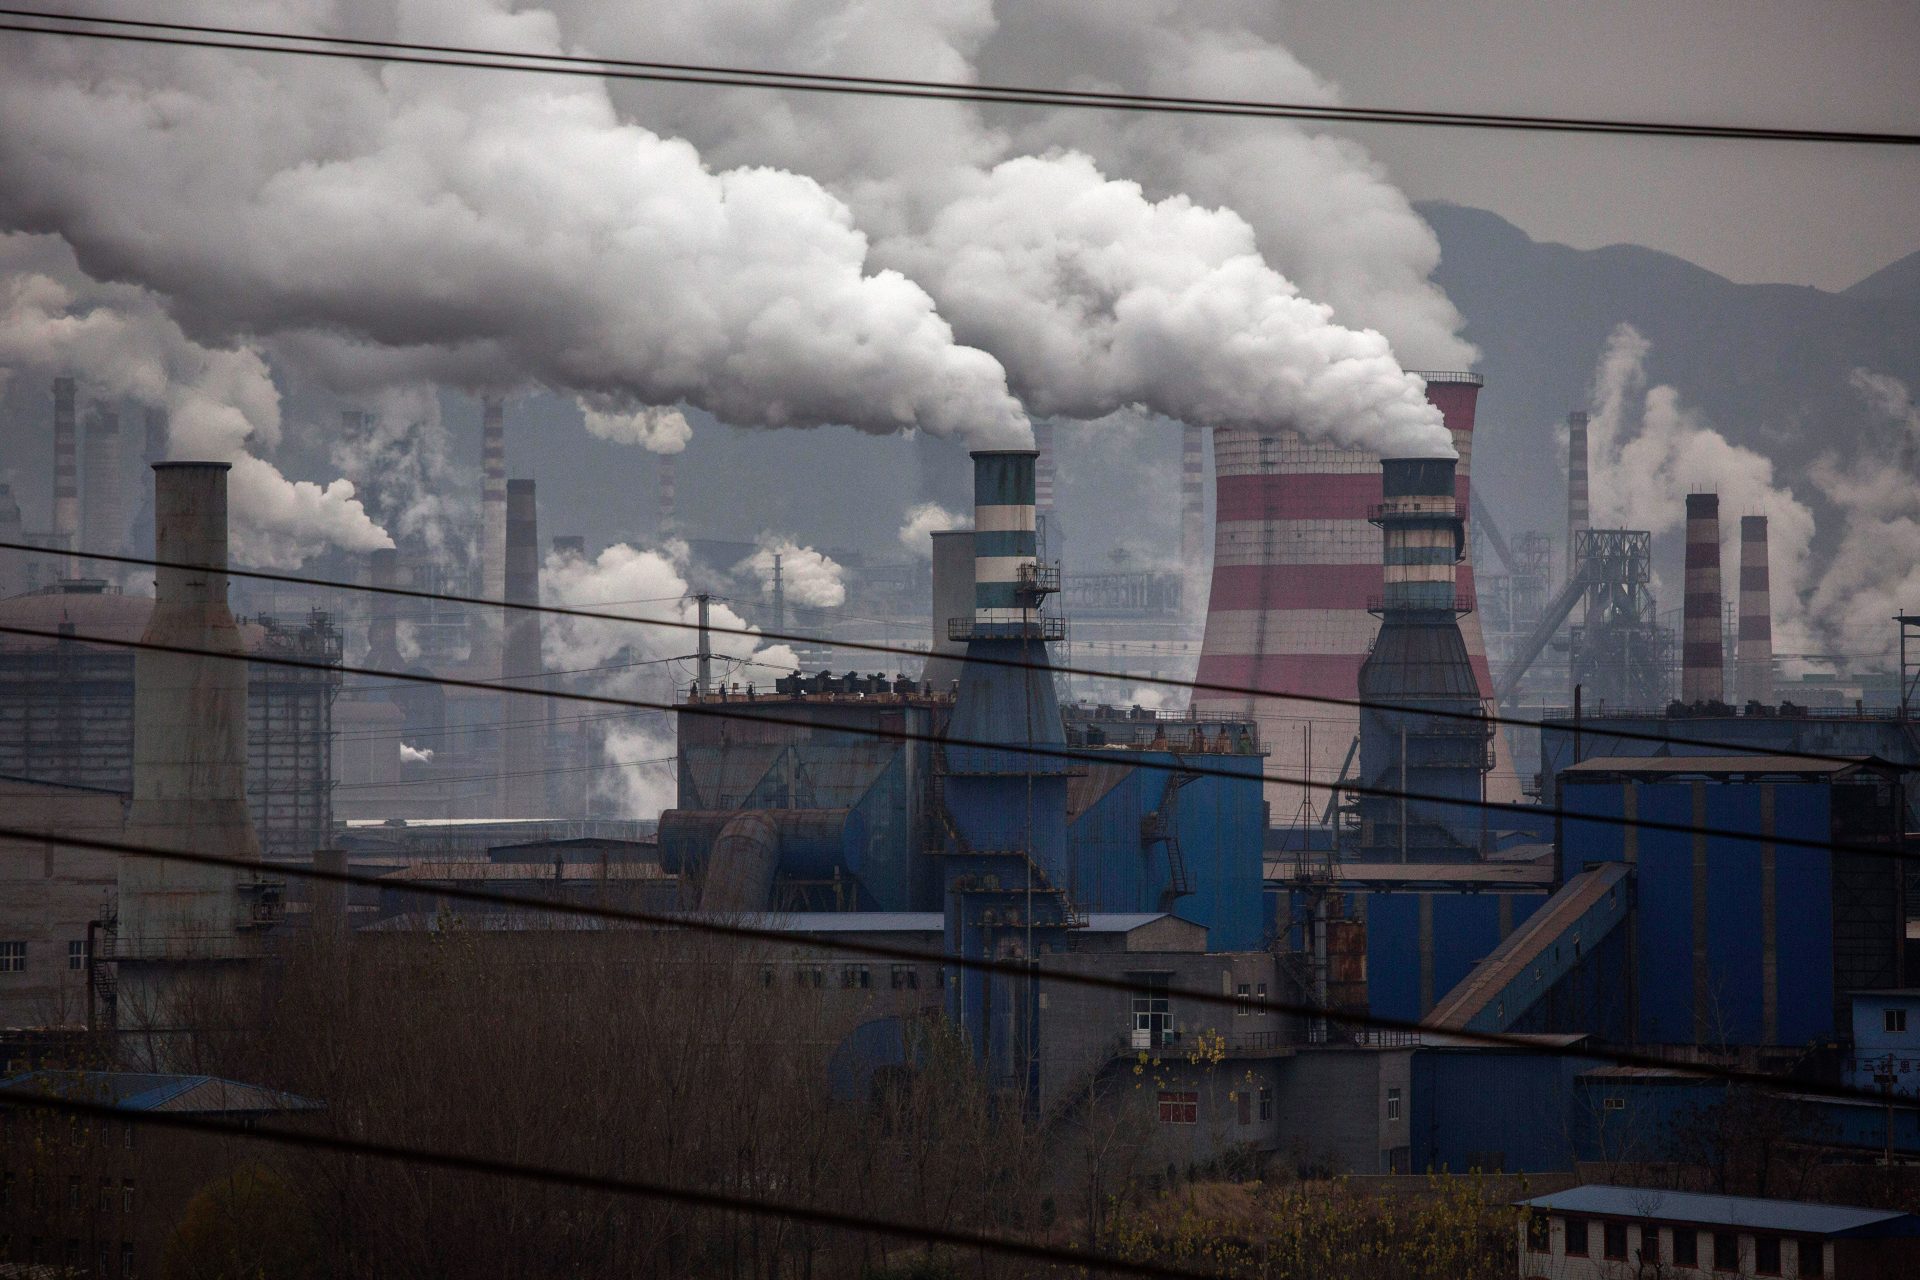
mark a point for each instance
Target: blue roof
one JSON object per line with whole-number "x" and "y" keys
{"x": 153, "y": 1091}
{"x": 1792, "y": 1217}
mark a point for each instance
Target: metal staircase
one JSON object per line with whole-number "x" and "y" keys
{"x": 1162, "y": 826}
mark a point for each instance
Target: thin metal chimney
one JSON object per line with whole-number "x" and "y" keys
{"x": 104, "y": 522}
{"x": 1753, "y": 652}
{"x": 189, "y": 740}
{"x": 1702, "y": 654}
{"x": 66, "y": 482}
{"x": 383, "y": 622}
{"x": 493, "y": 498}
{"x": 524, "y": 738}
{"x": 952, "y": 598}
{"x": 1577, "y": 499}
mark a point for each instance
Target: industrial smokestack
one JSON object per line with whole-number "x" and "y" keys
{"x": 1043, "y": 432}
{"x": 13, "y": 567}
{"x": 105, "y": 526}
{"x": 66, "y": 482}
{"x": 383, "y": 621}
{"x": 666, "y": 476}
{"x": 1702, "y": 654}
{"x": 1753, "y": 652}
{"x": 493, "y": 498}
{"x": 523, "y": 791}
{"x": 1193, "y": 512}
{"x": 952, "y": 599}
{"x": 1577, "y": 505}
{"x": 189, "y": 740}
{"x": 1295, "y": 564}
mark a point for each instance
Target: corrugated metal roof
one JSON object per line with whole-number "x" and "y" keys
{"x": 1123, "y": 921}
{"x": 149, "y": 1091}
{"x": 1745, "y": 1212}
{"x": 1756, "y": 763}
{"x": 453, "y": 872}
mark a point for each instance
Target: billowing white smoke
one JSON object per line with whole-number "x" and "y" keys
{"x": 1096, "y": 298}
{"x": 1648, "y": 452}
{"x": 401, "y": 467}
{"x": 222, "y": 403}
{"x": 654, "y": 428}
{"x": 1875, "y": 570}
{"x": 923, "y": 521}
{"x": 415, "y": 755}
{"x": 810, "y": 578}
{"x": 459, "y": 227}
{"x": 637, "y": 660}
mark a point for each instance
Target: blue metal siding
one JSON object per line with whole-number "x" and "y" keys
{"x": 1734, "y": 939}
{"x": 1492, "y": 1109}
{"x": 1665, "y": 902}
{"x": 1393, "y": 954}
{"x": 1804, "y": 915}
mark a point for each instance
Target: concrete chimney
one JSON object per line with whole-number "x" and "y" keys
{"x": 104, "y": 527}
{"x": 952, "y": 598}
{"x": 383, "y": 611}
{"x": 189, "y": 740}
{"x": 1702, "y": 656}
{"x": 66, "y": 481}
{"x": 1193, "y": 515}
{"x": 523, "y": 792}
{"x": 1753, "y": 651}
{"x": 1577, "y": 503}
{"x": 493, "y": 498}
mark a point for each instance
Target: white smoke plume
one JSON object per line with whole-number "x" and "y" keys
{"x": 637, "y": 660}
{"x": 810, "y": 578}
{"x": 1875, "y": 570}
{"x": 654, "y": 428}
{"x": 415, "y": 755}
{"x": 222, "y": 404}
{"x": 399, "y": 462}
{"x": 923, "y": 520}
{"x": 1648, "y": 451}
{"x": 463, "y": 227}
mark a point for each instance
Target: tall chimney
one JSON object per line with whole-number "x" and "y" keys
{"x": 13, "y": 565}
{"x": 105, "y": 514}
{"x": 189, "y": 738}
{"x": 66, "y": 483}
{"x": 1753, "y": 651}
{"x": 493, "y": 497}
{"x": 666, "y": 475}
{"x": 1577, "y": 508}
{"x": 383, "y": 621}
{"x": 523, "y": 792}
{"x": 1702, "y": 673}
{"x": 952, "y": 601}
{"x": 1193, "y": 513}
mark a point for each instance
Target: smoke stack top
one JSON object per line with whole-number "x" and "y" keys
{"x": 1422, "y": 537}
{"x": 1007, "y": 584}
{"x": 1702, "y": 654}
{"x": 1753, "y": 651}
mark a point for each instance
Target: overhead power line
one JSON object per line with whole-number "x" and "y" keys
{"x": 870, "y": 646}
{"x": 735, "y": 928}
{"x": 1182, "y": 762}
{"x": 573, "y": 1179}
{"x": 250, "y": 39}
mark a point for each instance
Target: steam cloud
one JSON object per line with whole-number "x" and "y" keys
{"x": 810, "y": 578}
{"x": 222, "y": 404}
{"x": 923, "y": 521}
{"x": 1648, "y": 451}
{"x": 655, "y": 429}
{"x": 1875, "y": 570}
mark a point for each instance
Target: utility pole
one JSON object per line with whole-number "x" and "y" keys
{"x": 703, "y": 671}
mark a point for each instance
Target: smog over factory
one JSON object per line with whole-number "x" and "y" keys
{"x": 993, "y": 638}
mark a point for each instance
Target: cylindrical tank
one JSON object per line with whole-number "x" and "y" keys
{"x": 1702, "y": 673}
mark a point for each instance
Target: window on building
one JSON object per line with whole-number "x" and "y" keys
{"x": 1179, "y": 1106}
{"x": 906, "y": 978}
{"x": 13, "y": 957}
{"x": 1576, "y": 1238}
{"x": 810, "y": 975}
{"x": 1393, "y": 1104}
{"x": 856, "y": 976}
{"x": 1152, "y": 1017}
{"x": 77, "y": 954}
{"x": 104, "y": 1201}
{"x": 1813, "y": 1258}
{"x": 1539, "y": 1232}
{"x": 1244, "y": 994}
{"x": 1896, "y": 1019}
{"x": 127, "y": 1134}
{"x": 1266, "y": 1103}
{"x": 126, "y": 1195}
{"x": 126, "y": 1261}
{"x": 1260, "y": 994}
{"x": 73, "y": 1191}
{"x": 1614, "y": 1104}
{"x": 1726, "y": 1251}
{"x": 1686, "y": 1247}
{"x": 1649, "y": 1246}
{"x": 767, "y": 975}
{"x": 1245, "y": 1102}
{"x": 1613, "y": 1241}
{"x": 1766, "y": 1255}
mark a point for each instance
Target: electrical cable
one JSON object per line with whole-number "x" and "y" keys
{"x": 691, "y": 1197}
{"x": 349, "y": 48}
{"x": 735, "y": 928}
{"x": 1183, "y": 762}
{"x": 1015, "y": 664}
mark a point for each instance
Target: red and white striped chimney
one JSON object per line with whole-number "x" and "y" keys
{"x": 1577, "y": 505}
{"x": 1702, "y": 655}
{"x": 1193, "y": 510}
{"x": 493, "y": 497}
{"x": 1753, "y": 650}
{"x": 1295, "y": 566}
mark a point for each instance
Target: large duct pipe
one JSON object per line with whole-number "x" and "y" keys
{"x": 189, "y": 735}
{"x": 737, "y": 853}
{"x": 493, "y": 497}
{"x": 952, "y": 600}
{"x": 523, "y": 741}
{"x": 1578, "y": 510}
{"x": 66, "y": 481}
{"x": 104, "y": 524}
{"x": 1295, "y": 565}
{"x": 383, "y": 622}
{"x": 1702, "y": 653}
{"x": 1753, "y": 651}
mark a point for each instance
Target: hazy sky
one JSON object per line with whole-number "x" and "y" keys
{"x": 1816, "y": 214}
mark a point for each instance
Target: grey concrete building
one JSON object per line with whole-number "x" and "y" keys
{"x": 48, "y": 897}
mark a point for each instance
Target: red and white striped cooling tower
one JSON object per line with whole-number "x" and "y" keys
{"x": 1295, "y": 566}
